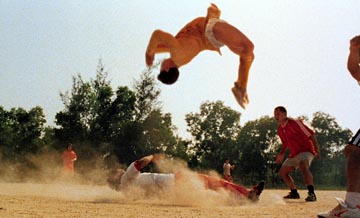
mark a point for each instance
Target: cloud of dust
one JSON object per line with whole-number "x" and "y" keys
{"x": 47, "y": 167}
{"x": 190, "y": 190}
{"x": 43, "y": 175}
{"x": 46, "y": 177}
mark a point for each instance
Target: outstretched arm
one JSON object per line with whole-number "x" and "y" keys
{"x": 354, "y": 58}
{"x": 280, "y": 156}
{"x": 144, "y": 161}
{"x": 160, "y": 41}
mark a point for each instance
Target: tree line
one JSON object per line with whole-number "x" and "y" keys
{"x": 119, "y": 126}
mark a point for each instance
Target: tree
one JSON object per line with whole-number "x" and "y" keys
{"x": 157, "y": 136}
{"x": 147, "y": 95}
{"x": 76, "y": 114}
{"x": 258, "y": 144}
{"x": 332, "y": 140}
{"x": 214, "y": 131}
{"x": 20, "y": 132}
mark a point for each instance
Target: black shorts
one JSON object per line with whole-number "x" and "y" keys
{"x": 355, "y": 140}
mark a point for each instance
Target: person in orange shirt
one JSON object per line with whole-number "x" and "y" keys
{"x": 69, "y": 157}
{"x": 202, "y": 33}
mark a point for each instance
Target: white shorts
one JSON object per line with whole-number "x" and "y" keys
{"x": 210, "y": 34}
{"x": 295, "y": 161}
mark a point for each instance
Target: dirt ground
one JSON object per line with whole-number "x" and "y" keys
{"x": 71, "y": 200}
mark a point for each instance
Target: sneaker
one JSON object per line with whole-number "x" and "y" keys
{"x": 240, "y": 96}
{"x": 342, "y": 211}
{"x": 311, "y": 197}
{"x": 255, "y": 193}
{"x": 292, "y": 196}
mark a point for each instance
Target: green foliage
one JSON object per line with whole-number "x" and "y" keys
{"x": 258, "y": 145}
{"x": 147, "y": 95}
{"x": 125, "y": 124}
{"x": 214, "y": 130}
{"x": 332, "y": 139}
{"x": 151, "y": 130}
{"x": 20, "y": 132}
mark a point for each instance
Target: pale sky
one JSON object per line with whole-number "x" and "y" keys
{"x": 301, "y": 49}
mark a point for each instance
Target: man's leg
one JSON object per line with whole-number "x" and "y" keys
{"x": 352, "y": 153}
{"x": 304, "y": 168}
{"x": 284, "y": 173}
{"x": 215, "y": 184}
{"x": 238, "y": 43}
{"x": 349, "y": 207}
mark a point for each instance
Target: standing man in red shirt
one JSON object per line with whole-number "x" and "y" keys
{"x": 303, "y": 147}
{"x": 69, "y": 157}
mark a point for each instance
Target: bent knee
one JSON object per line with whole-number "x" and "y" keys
{"x": 245, "y": 51}
{"x": 304, "y": 165}
{"x": 285, "y": 171}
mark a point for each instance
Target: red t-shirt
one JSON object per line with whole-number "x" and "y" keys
{"x": 296, "y": 136}
{"x": 68, "y": 159}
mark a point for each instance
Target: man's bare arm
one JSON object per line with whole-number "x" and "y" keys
{"x": 159, "y": 42}
{"x": 354, "y": 58}
{"x": 144, "y": 161}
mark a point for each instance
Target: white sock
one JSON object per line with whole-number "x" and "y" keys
{"x": 352, "y": 199}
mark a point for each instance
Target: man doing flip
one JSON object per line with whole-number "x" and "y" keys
{"x": 202, "y": 33}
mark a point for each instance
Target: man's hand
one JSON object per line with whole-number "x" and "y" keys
{"x": 149, "y": 59}
{"x": 279, "y": 158}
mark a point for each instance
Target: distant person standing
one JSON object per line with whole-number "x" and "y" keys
{"x": 353, "y": 63}
{"x": 227, "y": 167}
{"x": 301, "y": 141}
{"x": 69, "y": 157}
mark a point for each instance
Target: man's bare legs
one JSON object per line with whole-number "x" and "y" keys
{"x": 352, "y": 154}
{"x": 238, "y": 43}
{"x": 305, "y": 171}
{"x": 349, "y": 207}
{"x": 284, "y": 173}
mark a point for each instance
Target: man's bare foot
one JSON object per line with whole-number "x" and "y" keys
{"x": 240, "y": 96}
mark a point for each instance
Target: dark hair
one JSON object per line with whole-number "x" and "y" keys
{"x": 169, "y": 77}
{"x": 281, "y": 108}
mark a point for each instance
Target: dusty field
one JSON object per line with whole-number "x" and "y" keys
{"x": 70, "y": 200}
